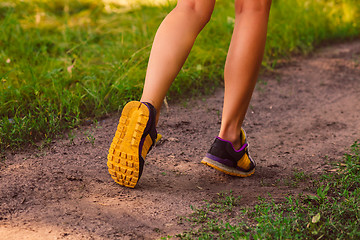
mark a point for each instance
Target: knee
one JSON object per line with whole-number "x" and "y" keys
{"x": 201, "y": 10}
{"x": 260, "y": 6}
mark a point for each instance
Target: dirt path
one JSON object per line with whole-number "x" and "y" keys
{"x": 306, "y": 110}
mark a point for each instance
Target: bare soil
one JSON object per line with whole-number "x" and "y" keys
{"x": 303, "y": 115}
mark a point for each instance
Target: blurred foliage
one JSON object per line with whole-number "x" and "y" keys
{"x": 66, "y": 62}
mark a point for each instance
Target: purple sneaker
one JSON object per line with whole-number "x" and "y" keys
{"x": 223, "y": 157}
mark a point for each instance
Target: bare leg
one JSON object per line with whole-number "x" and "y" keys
{"x": 172, "y": 44}
{"x": 242, "y": 64}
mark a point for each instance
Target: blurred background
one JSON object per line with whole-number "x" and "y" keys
{"x": 65, "y": 63}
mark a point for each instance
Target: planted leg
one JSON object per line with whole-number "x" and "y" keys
{"x": 229, "y": 152}
{"x": 242, "y": 64}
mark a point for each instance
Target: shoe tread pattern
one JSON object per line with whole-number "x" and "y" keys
{"x": 123, "y": 158}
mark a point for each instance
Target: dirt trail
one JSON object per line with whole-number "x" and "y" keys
{"x": 307, "y": 109}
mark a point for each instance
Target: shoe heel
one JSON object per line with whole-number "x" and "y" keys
{"x": 123, "y": 158}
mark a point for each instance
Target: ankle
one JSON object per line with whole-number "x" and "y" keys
{"x": 157, "y": 110}
{"x": 233, "y": 138}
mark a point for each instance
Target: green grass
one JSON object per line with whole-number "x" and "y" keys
{"x": 63, "y": 63}
{"x": 331, "y": 212}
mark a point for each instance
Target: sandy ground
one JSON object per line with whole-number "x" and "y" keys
{"x": 303, "y": 115}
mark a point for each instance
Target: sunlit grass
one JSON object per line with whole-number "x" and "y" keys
{"x": 132, "y": 3}
{"x": 66, "y": 62}
{"x": 330, "y": 212}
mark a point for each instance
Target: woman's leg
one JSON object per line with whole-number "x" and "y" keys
{"x": 172, "y": 44}
{"x": 136, "y": 133}
{"x": 242, "y": 64}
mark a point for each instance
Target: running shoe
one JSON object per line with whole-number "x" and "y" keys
{"x": 223, "y": 157}
{"x": 134, "y": 138}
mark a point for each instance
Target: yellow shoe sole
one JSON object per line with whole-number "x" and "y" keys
{"x": 225, "y": 169}
{"x": 123, "y": 158}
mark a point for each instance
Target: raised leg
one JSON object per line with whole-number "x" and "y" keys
{"x": 172, "y": 44}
